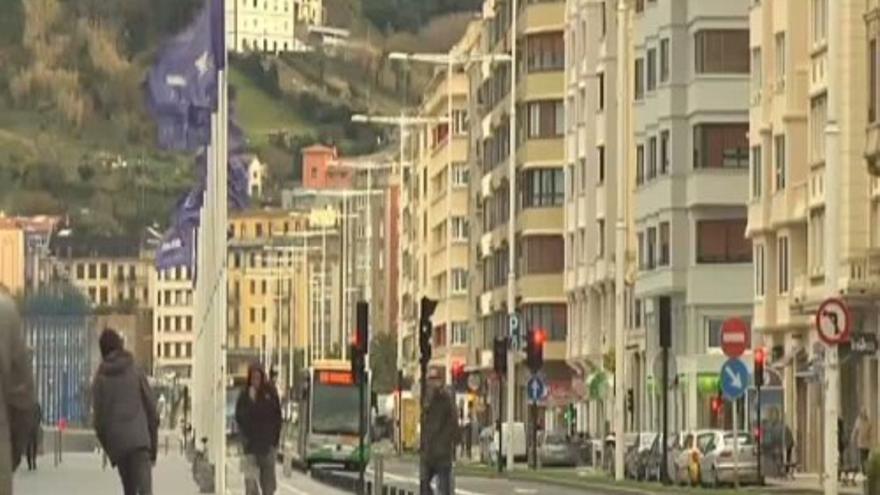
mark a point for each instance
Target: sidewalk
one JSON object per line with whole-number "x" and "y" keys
{"x": 810, "y": 482}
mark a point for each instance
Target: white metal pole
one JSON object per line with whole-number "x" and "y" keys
{"x": 511, "y": 237}
{"x": 368, "y": 288}
{"x": 343, "y": 266}
{"x": 400, "y": 308}
{"x": 220, "y": 295}
{"x": 323, "y": 321}
{"x": 621, "y": 232}
{"x": 833, "y": 164}
{"x": 448, "y": 219}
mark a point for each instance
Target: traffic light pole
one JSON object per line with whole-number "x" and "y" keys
{"x": 760, "y": 431}
{"x": 500, "y": 422}
{"x": 534, "y": 408}
{"x": 362, "y": 427}
{"x": 664, "y": 470}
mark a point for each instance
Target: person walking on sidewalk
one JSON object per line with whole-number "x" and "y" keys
{"x": 16, "y": 391}
{"x": 33, "y": 448}
{"x": 440, "y": 435}
{"x": 258, "y": 414}
{"x": 862, "y": 437}
{"x": 125, "y": 416}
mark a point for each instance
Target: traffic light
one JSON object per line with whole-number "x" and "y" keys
{"x": 499, "y": 356}
{"x": 459, "y": 378}
{"x": 717, "y": 405}
{"x": 360, "y": 340}
{"x": 630, "y": 400}
{"x": 760, "y": 358}
{"x": 426, "y": 328}
{"x": 535, "y": 340}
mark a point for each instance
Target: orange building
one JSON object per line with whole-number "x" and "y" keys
{"x": 319, "y": 172}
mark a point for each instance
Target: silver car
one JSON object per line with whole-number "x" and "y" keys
{"x": 718, "y": 456}
{"x": 558, "y": 450}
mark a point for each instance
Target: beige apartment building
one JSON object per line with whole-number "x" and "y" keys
{"x": 436, "y": 223}
{"x": 787, "y": 222}
{"x": 539, "y": 252}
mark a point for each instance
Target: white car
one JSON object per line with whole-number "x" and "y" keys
{"x": 689, "y": 455}
{"x": 717, "y": 465}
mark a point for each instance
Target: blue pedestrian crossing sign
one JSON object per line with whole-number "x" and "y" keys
{"x": 536, "y": 388}
{"x": 735, "y": 379}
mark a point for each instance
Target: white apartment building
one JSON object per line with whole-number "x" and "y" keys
{"x": 689, "y": 153}
{"x": 263, "y": 25}
{"x": 173, "y": 322}
{"x": 591, "y": 199}
{"x": 790, "y": 47}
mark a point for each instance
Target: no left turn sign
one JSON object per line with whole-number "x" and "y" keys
{"x": 833, "y": 321}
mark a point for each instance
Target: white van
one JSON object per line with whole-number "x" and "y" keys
{"x": 517, "y": 438}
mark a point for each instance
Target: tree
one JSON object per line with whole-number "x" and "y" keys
{"x": 383, "y": 362}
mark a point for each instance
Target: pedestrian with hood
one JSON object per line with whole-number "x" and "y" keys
{"x": 125, "y": 416}
{"x": 863, "y": 437}
{"x": 258, "y": 414}
{"x": 16, "y": 392}
{"x": 440, "y": 435}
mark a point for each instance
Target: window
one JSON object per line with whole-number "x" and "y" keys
{"x": 652, "y": 69}
{"x": 543, "y": 187}
{"x": 570, "y": 180}
{"x": 722, "y": 51}
{"x": 583, "y": 173}
{"x": 461, "y": 174}
{"x": 780, "y": 60}
{"x": 552, "y": 318}
{"x": 80, "y": 271}
{"x": 639, "y": 75}
{"x": 459, "y": 229}
{"x": 664, "y": 152}
{"x": 781, "y": 172}
{"x": 652, "y": 157}
{"x": 641, "y": 246}
{"x": 782, "y": 253}
{"x": 600, "y": 163}
{"x": 546, "y": 119}
{"x": 459, "y": 281}
{"x": 600, "y": 238}
{"x": 664, "y": 60}
{"x": 723, "y": 241}
{"x": 713, "y": 332}
{"x": 542, "y": 254}
{"x": 757, "y": 79}
{"x": 600, "y": 83}
{"x": 872, "y": 81}
{"x": 545, "y": 52}
{"x": 721, "y": 146}
{"x": 253, "y": 314}
{"x": 757, "y": 172}
{"x": 640, "y": 6}
{"x": 759, "y": 270}
{"x": 640, "y": 164}
{"x": 818, "y": 116}
{"x": 459, "y": 333}
{"x": 263, "y": 287}
{"x": 820, "y": 20}
{"x": 664, "y": 245}
{"x": 459, "y": 122}
{"x": 816, "y": 235}
{"x": 651, "y": 250}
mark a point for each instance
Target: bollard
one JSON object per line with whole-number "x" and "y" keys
{"x": 57, "y": 450}
{"x": 379, "y": 474}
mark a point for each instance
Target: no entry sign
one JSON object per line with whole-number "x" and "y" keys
{"x": 734, "y": 337}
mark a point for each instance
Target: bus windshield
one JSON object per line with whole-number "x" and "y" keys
{"x": 335, "y": 409}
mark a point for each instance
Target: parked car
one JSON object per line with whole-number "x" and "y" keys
{"x": 637, "y": 447}
{"x": 689, "y": 454}
{"x": 557, "y": 449}
{"x": 718, "y": 455}
{"x": 653, "y": 459}
{"x": 517, "y": 438}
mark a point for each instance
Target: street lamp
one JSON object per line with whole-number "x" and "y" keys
{"x": 450, "y": 60}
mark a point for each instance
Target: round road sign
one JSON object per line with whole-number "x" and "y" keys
{"x": 734, "y": 337}
{"x": 833, "y": 321}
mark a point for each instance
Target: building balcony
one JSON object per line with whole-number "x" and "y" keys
{"x": 541, "y": 220}
{"x": 711, "y": 283}
{"x": 542, "y": 85}
{"x": 872, "y": 149}
{"x": 535, "y": 153}
{"x": 711, "y": 187}
{"x": 789, "y": 206}
{"x": 540, "y": 288}
{"x": 539, "y": 17}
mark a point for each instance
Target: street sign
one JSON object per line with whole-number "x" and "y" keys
{"x": 515, "y": 334}
{"x": 734, "y": 379}
{"x": 864, "y": 344}
{"x": 537, "y": 389}
{"x": 734, "y": 337}
{"x": 833, "y": 321}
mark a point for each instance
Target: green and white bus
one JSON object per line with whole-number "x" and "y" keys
{"x": 323, "y": 429}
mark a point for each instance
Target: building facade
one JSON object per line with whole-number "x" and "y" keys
{"x": 791, "y": 79}
{"x": 12, "y": 255}
{"x": 539, "y": 197}
{"x": 173, "y": 322}
{"x": 263, "y": 25}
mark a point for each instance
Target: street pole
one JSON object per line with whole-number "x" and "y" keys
{"x": 511, "y": 238}
{"x": 323, "y": 321}
{"x": 621, "y": 230}
{"x": 346, "y": 321}
{"x": 833, "y": 164}
{"x": 400, "y": 308}
{"x": 664, "y": 470}
{"x": 450, "y": 125}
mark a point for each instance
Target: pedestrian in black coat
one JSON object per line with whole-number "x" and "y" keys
{"x": 258, "y": 414}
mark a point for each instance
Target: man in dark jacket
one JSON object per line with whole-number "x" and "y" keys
{"x": 439, "y": 437}
{"x": 16, "y": 391}
{"x": 258, "y": 414}
{"x": 126, "y": 421}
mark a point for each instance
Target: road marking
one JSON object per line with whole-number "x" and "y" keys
{"x": 414, "y": 481}
{"x": 292, "y": 489}
{"x": 525, "y": 491}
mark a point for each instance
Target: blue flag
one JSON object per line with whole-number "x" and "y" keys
{"x": 182, "y": 85}
{"x": 177, "y": 248}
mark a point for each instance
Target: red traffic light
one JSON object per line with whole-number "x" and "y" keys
{"x": 717, "y": 404}
{"x": 458, "y": 370}
{"x": 539, "y": 336}
{"x": 760, "y": 356}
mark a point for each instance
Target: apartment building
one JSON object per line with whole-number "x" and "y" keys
{"x": 173, "y": 322}
{"x": 591, "y": 199}
{"x": 275, "y": 287}
{"x": 538, "y": 218}
{"x": 435, "y": 218}
{"x": 790, "y": 46}
{"x": 268, "y": 25}
{"x": 689, "y": 151}
{"x": 12, "y": 255}
{"x": 113, "y": 272}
